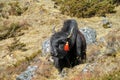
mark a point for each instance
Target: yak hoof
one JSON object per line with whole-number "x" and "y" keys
{"x": 63, "y": 73}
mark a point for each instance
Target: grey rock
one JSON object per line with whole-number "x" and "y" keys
{"x": 106, "y": 23}
{"x": 90, "y": 34}
{"x": 89, "y": 67}
{"x": 28, "y": 74}
{"x": 110, "y": 47}
{"x": 46, "y": 47}
{"x": 102, "y": 39}
{"x": 110, "y": 52}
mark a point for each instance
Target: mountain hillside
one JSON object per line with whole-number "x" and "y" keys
{"x": 26, "y": 24}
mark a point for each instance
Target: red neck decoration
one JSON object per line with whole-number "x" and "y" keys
{"x": 66, "y": 47}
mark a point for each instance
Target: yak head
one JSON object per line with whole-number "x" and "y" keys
{"x": 61, "y": 43}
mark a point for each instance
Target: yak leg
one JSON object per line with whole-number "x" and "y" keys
{"x": 83, "y": 57}
{"x": 58, "y": 64}
{"x": 81, "y": 48}
{"x": 78, "y": 48}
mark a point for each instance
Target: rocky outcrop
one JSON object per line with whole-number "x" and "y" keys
{"x": 90, "y": 34}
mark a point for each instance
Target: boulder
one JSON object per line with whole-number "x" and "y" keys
{"x": 90, "y": 34}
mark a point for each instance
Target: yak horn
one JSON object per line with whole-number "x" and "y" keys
{"x": 70, "y": 33}
{"x": 53, "y": 30}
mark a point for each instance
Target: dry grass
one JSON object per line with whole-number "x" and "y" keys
{"x": 39, "y": 19}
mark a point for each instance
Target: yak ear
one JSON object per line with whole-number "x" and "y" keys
{"x": 53, "y": 29}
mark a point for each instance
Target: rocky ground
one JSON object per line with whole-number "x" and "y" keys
{"x": 25, "y": 25}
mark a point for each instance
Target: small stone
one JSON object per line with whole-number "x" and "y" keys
{"x": 46, "y": 47}
{"x": 28, "y": 74}
{"x": 106, "y": 23}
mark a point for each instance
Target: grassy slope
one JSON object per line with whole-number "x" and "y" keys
{"x": 41, "y": 17}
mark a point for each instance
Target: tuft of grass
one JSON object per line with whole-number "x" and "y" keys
{"x": 1, "y": 6}
{"x": 17, "y": 45}
{"x": 16, "y": 9}
{"x": 29, "y": 58}
{"x": 113, "y": 76}
{"x": 11, "y": 8}
{"x": 13, "y": 30}
{"x": 9, "y": 32}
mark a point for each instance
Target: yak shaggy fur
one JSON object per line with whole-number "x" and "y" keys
{"x": 77, "y": 46}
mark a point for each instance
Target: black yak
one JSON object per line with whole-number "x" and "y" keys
{"x": 68, "y": 46}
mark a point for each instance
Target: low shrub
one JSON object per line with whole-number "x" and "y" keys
{"x": 16, "y": 9}
{"x": 11, "y": 8}
{"x": 13, "y": 30}
{"x": 86, "y": 8}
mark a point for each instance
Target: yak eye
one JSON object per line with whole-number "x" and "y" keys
{"x": 61, "y": 47}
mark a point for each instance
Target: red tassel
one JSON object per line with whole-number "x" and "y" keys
{"x": 66, "y": 47}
